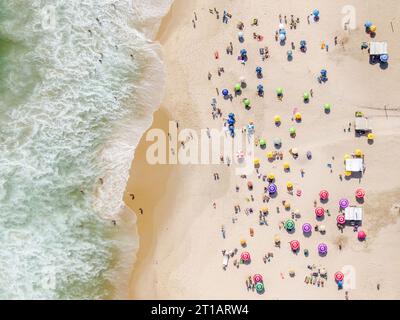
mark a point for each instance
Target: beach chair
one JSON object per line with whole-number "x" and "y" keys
{"x": 225, "y": 261}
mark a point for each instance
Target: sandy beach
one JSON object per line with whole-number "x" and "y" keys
{"x": 181, "y": 243}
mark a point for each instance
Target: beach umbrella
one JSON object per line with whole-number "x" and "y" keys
{"x": 256, "y": 161}
{"x": 240, "y": 155}
{"x": 282, "y": 36}
{"x": 272, "y": 188}
{"x": 322, "y": 228}
{"x": 270, "y": 155}
{"x": 292, "y": 130}
{"x": 243, "y": 52}
{"x": 316, "y": 12}
{"x": 257, "y": 278}
{"x": 289, "y": 225}
{"x": 281, "y": 26}
{"x": 324, "y": 73}
{"x": 360, "y": 193}
{"x": 264, "y": 209}
{"x": 295, "y": 245}
{"x": 323, "y": 195}
{"x": 277, "y": 239}
{"x": 361, "y": 235}
{"x": 287, "y": 205}
{"x": 277, "y": 119}
{"x": 260, "y": 88}
{"x": 282, "y": 31}
{"x": 245, "y": 256}
{"x": 262, "y": 142}
{"x": 368, "y": 24}
{"x": 279, "y": 91}
{"x": 286, "y": 166}
{"x": 295, "y": 151}
{"x": 340, "y": 219}
{"x": 343, "y": 203}
{"x": 306, "y": 95}
{"x": 339, "y": 276}
{"x": 346, "y": 156}
{"x": 260, "y": 287}
{"x": 306, "y": 228}
{"x": 258, "y": 70}
{"x": 242, "y": 79}
{"x": 347, "y": 173}
{"x": 246, "y": 102}
{"x": 277, "y": 141}
{"x": 238, "y": 87}
{"x": 327, "y": 106}
{"x": 373, "y": 28}
{"x": 322, "y": 248}
{"x": 249, "y": 184}
{"x": 242, "y": 242}
{"x": 371, "y": 136}
{"x": 271, "y": 176}
{"x": 289, "y": 53}
{"x": 384, "y": 58}
{"x": 309, "y": 154}
{"x": 289, "y": 185}
{"x": 297, "y": 116}
{"x": 225, "y": 92}
{"x": 358, "y": 153}
{"x": 240, "y": 35}
{"x": 319, "y": 212}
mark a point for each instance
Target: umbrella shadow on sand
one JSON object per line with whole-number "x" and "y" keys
{"x": 307, "y": 234}
{"x": 360, "y": 200}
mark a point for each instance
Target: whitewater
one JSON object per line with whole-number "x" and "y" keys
{"x": 79, "y": 82}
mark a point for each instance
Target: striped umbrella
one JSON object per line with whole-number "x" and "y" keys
{"x": 289, "y": 225}
{"x": 323, "y": 195}
{"x": 343, "y": 203}
{"x": 306, "y": 228}
{"x": 257, "y": 278}
{"x": 272, "y": 188}
{"x": 360, "y": 193}
{"x": 260, "y": 287}
{"x": 322, "y": 248}
{"x": 245, "y": 256}
{"x": 295, "y": 245}
{"x": 339, "y": 276}
{"x": 319, "y": 212}
{"x": 340, "y": 219}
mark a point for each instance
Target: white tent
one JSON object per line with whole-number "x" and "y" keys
{"x": 354, "y": 165}
{"x": 353, "y": 213}
{"x": 378, "y": 48}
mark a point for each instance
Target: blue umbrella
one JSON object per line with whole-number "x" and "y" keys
{"x": 316, "y": 12}
{"x": 368, "y": 24}
{"x": 225, "y": 92}
{"x": 231, "y": 115}
{"x": 231, "y": 121}
{"x": 243, "y": 52}
{"x": 323, "y": 72}
{"x": 384, "y": 58}
{"x": 260, "y": 88}
{"x": 282, "y": 37}
{"x": 289, "y": 52}
{"x": 258, "y": 69}
{"x": 283, "y": 31}
{"x": 302, "y": 43}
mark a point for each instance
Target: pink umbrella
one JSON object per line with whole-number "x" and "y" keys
{"x": 295, "y": 245}
{"x": 361, "y": 235}
{"x": 339, "y": 276}
{"x": 257, "y": 278}
{"x": 323, "y": 195}
{"x": 319, "y": 212}
{"x": 360, "y": 193}
{"x": 341, "y": 219}
{"x": 245, "y": 256}
{"x": 343, "y": 203}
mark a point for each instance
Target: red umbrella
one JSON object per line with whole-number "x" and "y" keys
{"x": 295, "y": 245}
{"x": 257, "y": 278}
{"x": 245, "y": 256}
{"x": 319, "y": 211}
{"x": 360, "y": 193}
{"x": 323, "y": 195}
{"x": 341, "y": 219}
{"x": 361, "y": 235}
{"x": 339, "y": 276}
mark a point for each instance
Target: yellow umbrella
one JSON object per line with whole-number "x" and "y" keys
{"x": 358, "y": 153}
{"x": 286, "y": 165}
{"x": 287, "y": 205}
{"x": 264, "y": 209}
{"x": 371, "y": 136}
{"x": 242, "y": 242}
{"x": 270, "y": 155}
{"x": 277, "y": 239}
{"x": 256, "y": 161}
{"x": 289, "y": 185}
{"x": 346, "y": 156}
{"x": 271, "y": 176}
{"x": 347, "y": 173}
{"x": 277, "y": 118}
{"x": 372, "y": 28}
{"x": 297, "y": 116}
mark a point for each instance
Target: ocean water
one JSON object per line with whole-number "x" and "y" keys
{"x": 73, "y": 106}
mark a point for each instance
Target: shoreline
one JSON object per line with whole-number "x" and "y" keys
{"x": 180, "y": 240}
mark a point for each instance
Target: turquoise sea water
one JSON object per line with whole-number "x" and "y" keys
{"x": 66, "y": 120}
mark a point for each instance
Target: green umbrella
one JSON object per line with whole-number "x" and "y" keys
{"x": 292, "y": 130}
{"x": 279, "y": 91}
{"x": 327, "y": 106}
{"x": 289, "y": 224}
{"x": 262, "y": 142}
{"x": 238, "y": 87}
{"x": 259, "y": 287}
{"x": 306, "y": 95}
{"x": 246, "y": 102}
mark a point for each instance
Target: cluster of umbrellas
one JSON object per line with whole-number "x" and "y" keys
{"x": 258, "y": 280}
{"x": 370, "y": 27}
